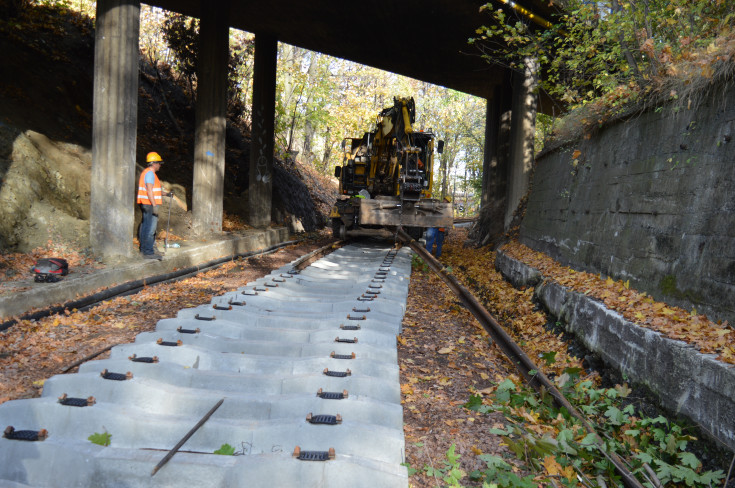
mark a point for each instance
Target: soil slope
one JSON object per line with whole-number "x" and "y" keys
{"x": 46, "y": 59}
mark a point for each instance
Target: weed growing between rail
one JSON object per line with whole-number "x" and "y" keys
{"x": 100, "y": 439}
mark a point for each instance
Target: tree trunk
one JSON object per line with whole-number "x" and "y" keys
{"x": 632, "y": 64}
{"x": 309, "y": 128}
{"x": 293, "y": 121}
{"x": 327, "y": 150}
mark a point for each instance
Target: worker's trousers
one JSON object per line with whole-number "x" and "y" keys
{"x": 147, "y": 231}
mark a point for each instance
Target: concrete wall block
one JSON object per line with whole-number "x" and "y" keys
{"x": 684, "y": 380}
{"x": 635, "y": 210}
{"x": 516, "y": 274}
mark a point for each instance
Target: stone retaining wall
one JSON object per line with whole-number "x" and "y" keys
{"x": 650, "y": 199}
{"x": 685, "y": 381}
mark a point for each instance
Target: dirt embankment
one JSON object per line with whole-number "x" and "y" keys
{"x": 45, "y": 141}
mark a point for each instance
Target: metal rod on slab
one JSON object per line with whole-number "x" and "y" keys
{"x": 538, "y": 380}
{"x": 306, "y": 259}
{"x": 168, "y": 223}
{"x": 173, "y": 451}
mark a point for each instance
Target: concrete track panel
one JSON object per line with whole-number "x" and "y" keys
{"x": 288, "y": 320}
{"x": 164, "y": 398}
{"x": 105, "y": 467}
{"x": 319, "y": 344}
{"x": 230, "y": 325}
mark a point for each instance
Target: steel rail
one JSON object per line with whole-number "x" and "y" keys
{"x": 308, "y": 258}
{"x": 299, "y": 264}
{"x": 535, "y": 377}
{"x": 132, "y": 287}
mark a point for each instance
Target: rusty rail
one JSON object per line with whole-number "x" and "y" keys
{"x": 309, "y": 258}
{"x": 537, "y": 379}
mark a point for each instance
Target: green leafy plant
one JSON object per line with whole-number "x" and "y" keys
{"x": 418, "y": 264}
{"x": 449, "y": 472}
{"x": 501, "y": 473}
{"x": 552, "y": 443}
{"x": 100, "y": 439}
{"x": 225, "y": 450}
{"x": 411, "y": 471}
{"x": 607, "y": 57}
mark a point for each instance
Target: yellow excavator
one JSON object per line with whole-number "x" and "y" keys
{"x": 385, "y": 179}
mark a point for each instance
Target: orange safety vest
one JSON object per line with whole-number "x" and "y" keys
{"x": 143, "y": 195}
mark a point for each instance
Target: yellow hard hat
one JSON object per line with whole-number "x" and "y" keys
{"x": 153, "y": 157}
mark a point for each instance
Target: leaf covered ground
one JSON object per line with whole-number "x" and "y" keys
{"x": 446, "y": 357}
{"x": 446, "y": 360}
{"x": 637, "y": 307}
{"x": 31, "y": 351}
{"x": 448, "y": 365}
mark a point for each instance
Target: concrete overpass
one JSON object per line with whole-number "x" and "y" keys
{"x": 423, "y": 39}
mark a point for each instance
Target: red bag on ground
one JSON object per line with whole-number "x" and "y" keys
{"x": 50, "y": 269}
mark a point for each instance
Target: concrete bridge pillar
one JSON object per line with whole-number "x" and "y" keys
{"x": 211, "y": 117}
{"x": 523, "y": 126}
{"x": 495, "y": 165}
{"x": 114, "y": 124}
{"x": 260, "y": 190}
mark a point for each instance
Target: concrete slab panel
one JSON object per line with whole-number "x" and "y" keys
{"x": 267, "y": 360}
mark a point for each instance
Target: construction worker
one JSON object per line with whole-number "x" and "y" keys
{"x": 436, "y": 235}
{"x": 150, "y": 198}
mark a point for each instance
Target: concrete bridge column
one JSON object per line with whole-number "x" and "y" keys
{"x": 260, "y": 189}
{"x": 523, "y": 125}
{"x": 114, "y": 124}
{"x": 495, "y": 165}
{"x": 211, "y": 117}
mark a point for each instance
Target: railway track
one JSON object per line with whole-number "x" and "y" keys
{"x": 296, "y": 372}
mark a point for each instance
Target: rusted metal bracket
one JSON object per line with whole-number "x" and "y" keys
{"x": 25, "y": 435}
{"x": 76, "y": 402}
{"x": 332, "y": 395}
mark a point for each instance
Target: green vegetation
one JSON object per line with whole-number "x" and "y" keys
{"x": 100, "y": 439}
{"x": 616, "y": 49}
{"x": 449, "y": 472}
{"x": 615, "y": 55}
{"x": 418, "y": 264}
{"x": 668, "y": 285}
{"x": 554, "y": 445}
{"x": 225, "y": 450}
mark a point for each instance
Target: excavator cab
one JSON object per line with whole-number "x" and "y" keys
{"x": 353, "y": 174}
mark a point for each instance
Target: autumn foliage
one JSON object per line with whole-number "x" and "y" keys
{"x": 637, "y": 307}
